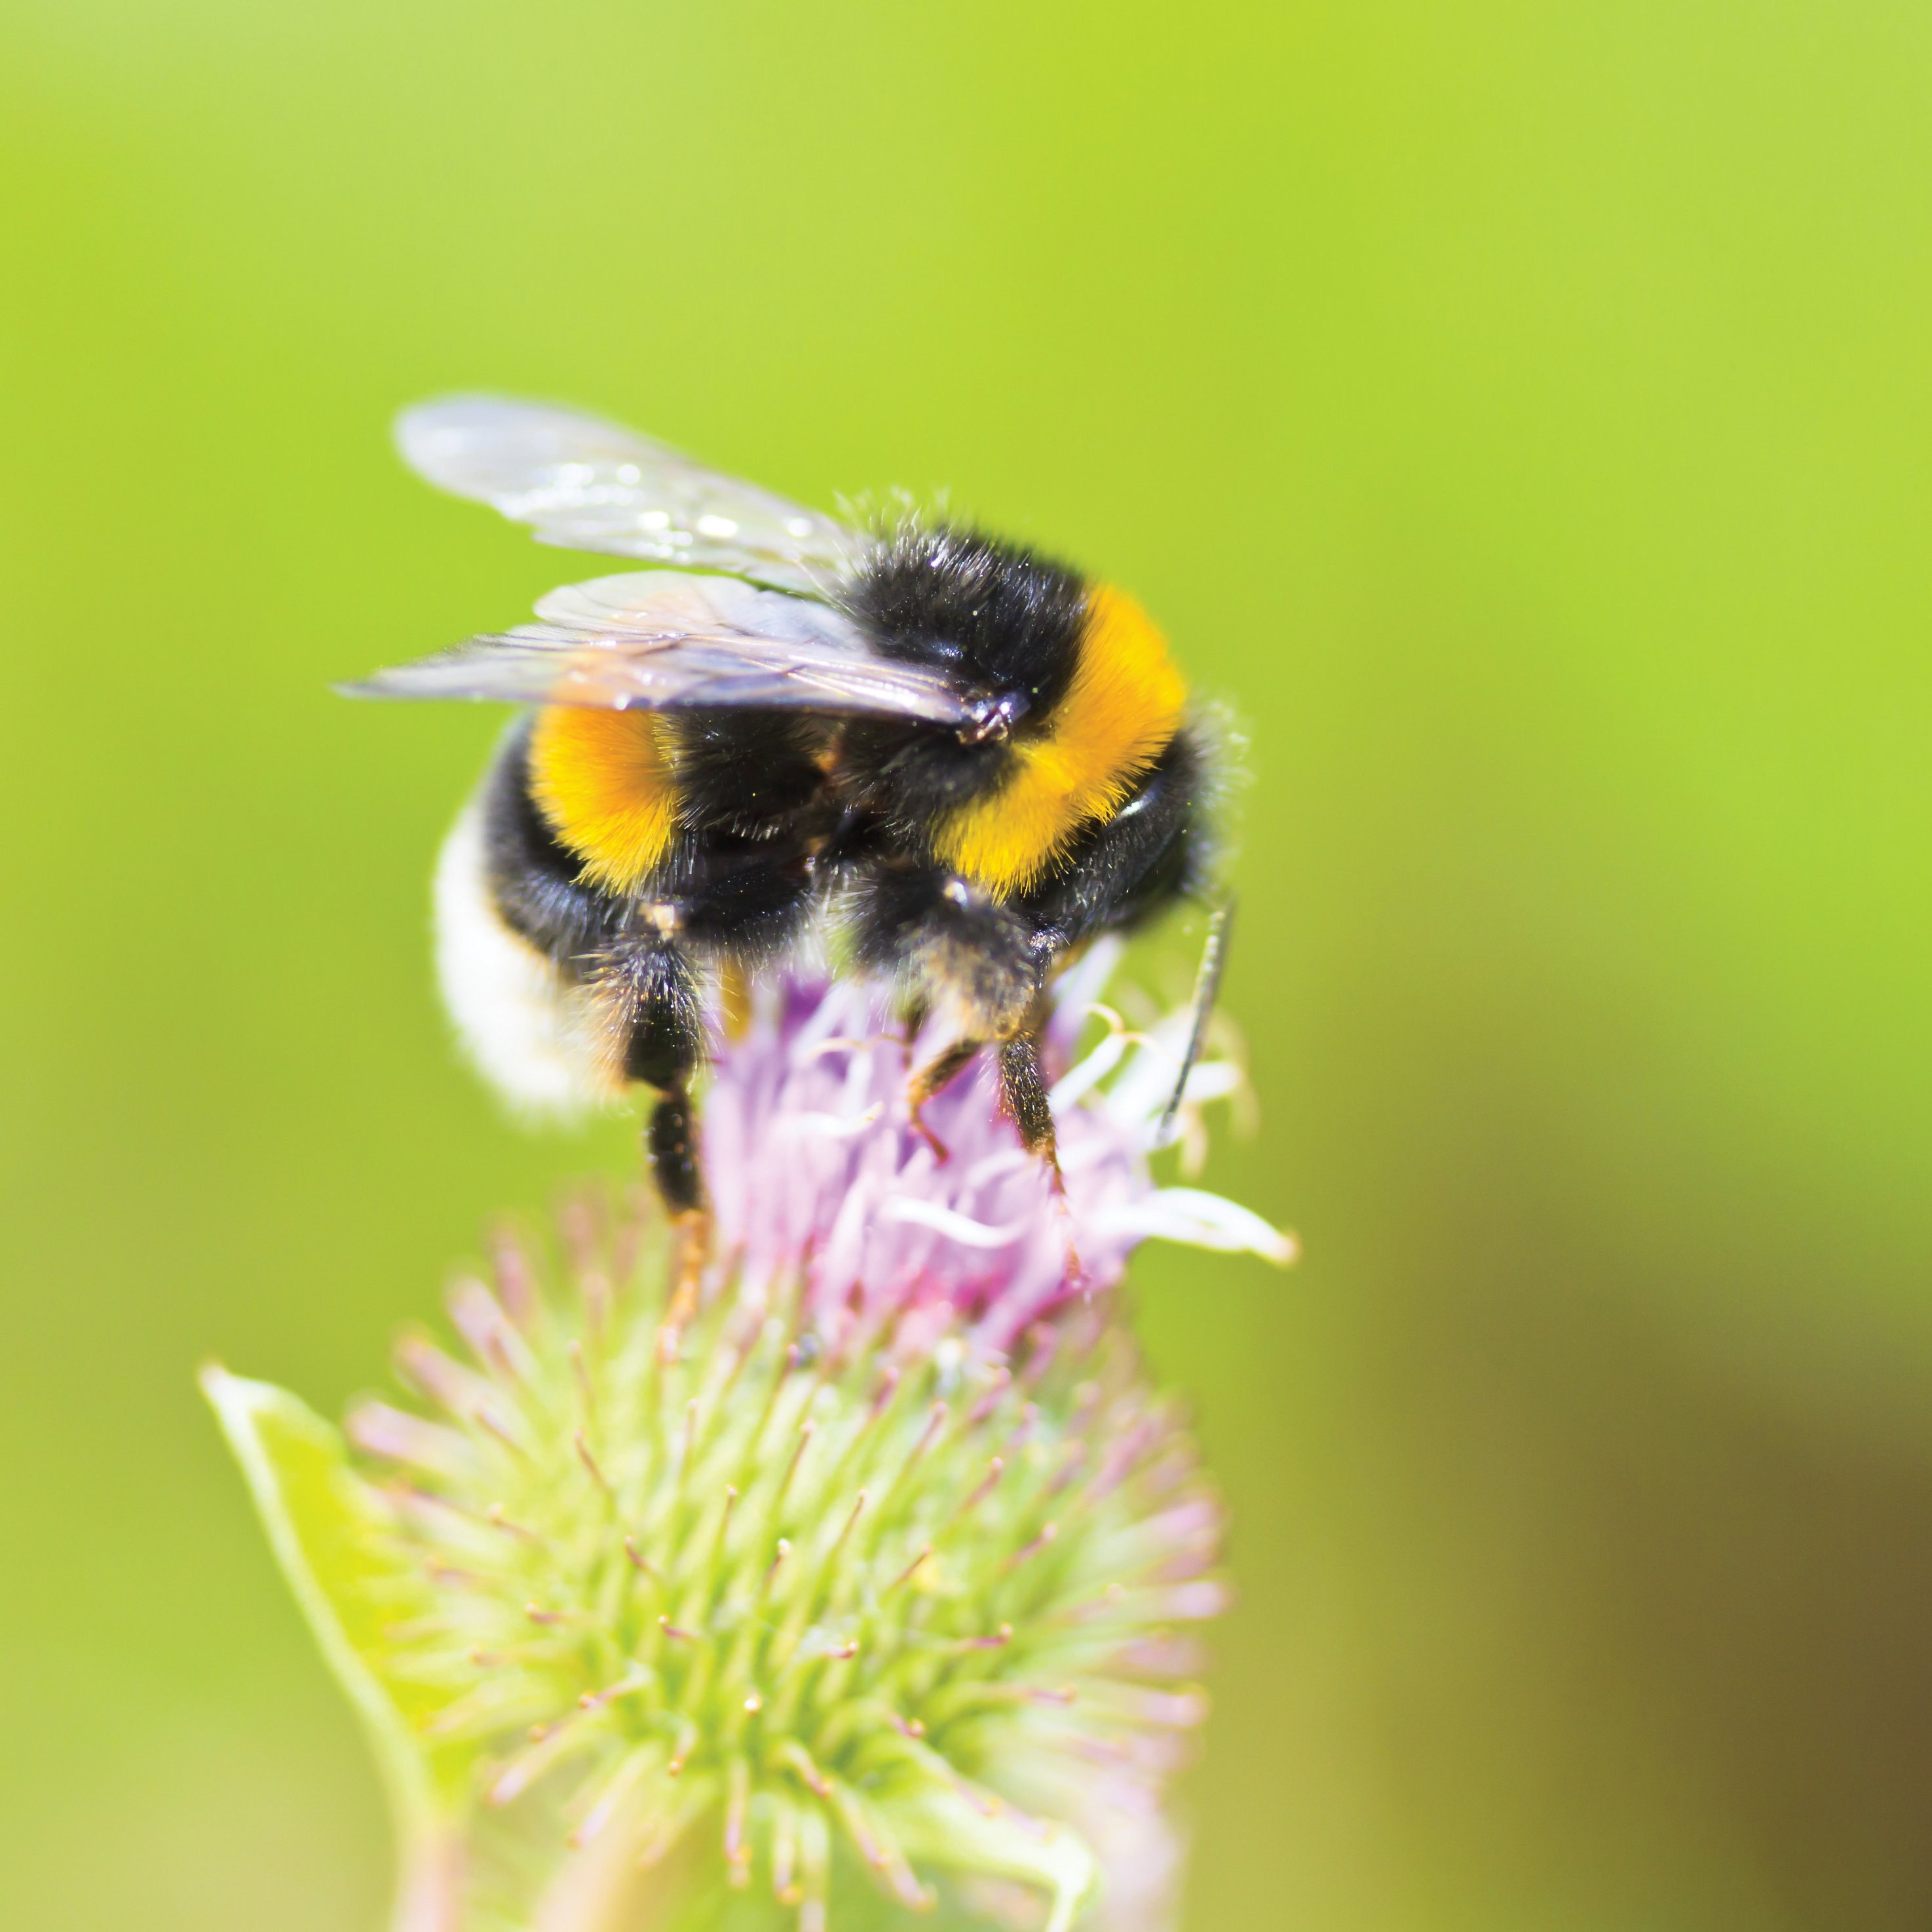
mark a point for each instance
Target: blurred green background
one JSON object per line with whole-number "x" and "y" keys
{"x": 1521, "y": 413}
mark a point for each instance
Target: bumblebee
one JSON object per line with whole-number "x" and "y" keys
{"x": 962, "y": 760}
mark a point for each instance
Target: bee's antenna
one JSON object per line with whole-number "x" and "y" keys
{"x": 1207, "y": 985}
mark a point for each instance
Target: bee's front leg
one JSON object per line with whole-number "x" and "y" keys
{"x": 937, "y": 1072}
{"x": 958, "y": 949}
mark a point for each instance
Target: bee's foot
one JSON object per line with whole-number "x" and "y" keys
{"x": 1073, "y": 1274}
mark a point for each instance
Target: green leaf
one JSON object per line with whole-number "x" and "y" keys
{"x": 326, "y": 1529}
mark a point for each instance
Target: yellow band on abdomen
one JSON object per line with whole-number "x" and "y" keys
{"x": 604, "y": 781}
{"x": 1120, "y": 713}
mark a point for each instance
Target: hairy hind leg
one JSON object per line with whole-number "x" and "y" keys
{"x": 660, "y": 1017}
{"x": 670, "y": 1151}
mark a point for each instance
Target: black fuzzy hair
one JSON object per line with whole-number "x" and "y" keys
{"x": 1005, "y": 622}
{"x": 1002, "y": 618}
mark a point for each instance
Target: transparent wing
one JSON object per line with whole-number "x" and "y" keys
{"x": 587, "y": 484}
{"x": 658, "y": 639}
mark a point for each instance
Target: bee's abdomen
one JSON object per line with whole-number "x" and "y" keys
{"x": 634, "y": 794}
{"x": 533, "y": 878}
{"x": 605, "y": 783}
{"x": 743, "y": 893}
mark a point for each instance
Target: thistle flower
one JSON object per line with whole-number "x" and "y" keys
{"x": 814, "y": 1163}
{"x": 871, "y": 1599}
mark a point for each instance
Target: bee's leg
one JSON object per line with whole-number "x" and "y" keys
{"x": 662, "y": 1020}
{"x": 965, "y": 953}
{"x": 661, "y": 1024}
{"x": 1023, "y": 1089}
{"x": 937, "y": 1072}
{"x": 1024, "y": 1094}
{"x": 670, "y": 1151}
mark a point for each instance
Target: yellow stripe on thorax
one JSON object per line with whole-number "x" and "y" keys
{"x": 604, "y": 781}
{"x": 1120, "y": 713}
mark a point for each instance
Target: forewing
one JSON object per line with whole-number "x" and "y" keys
{"x": 644, "y": 602}
{"x": 661, "y": 641}
{"x": 587, "y": 484}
